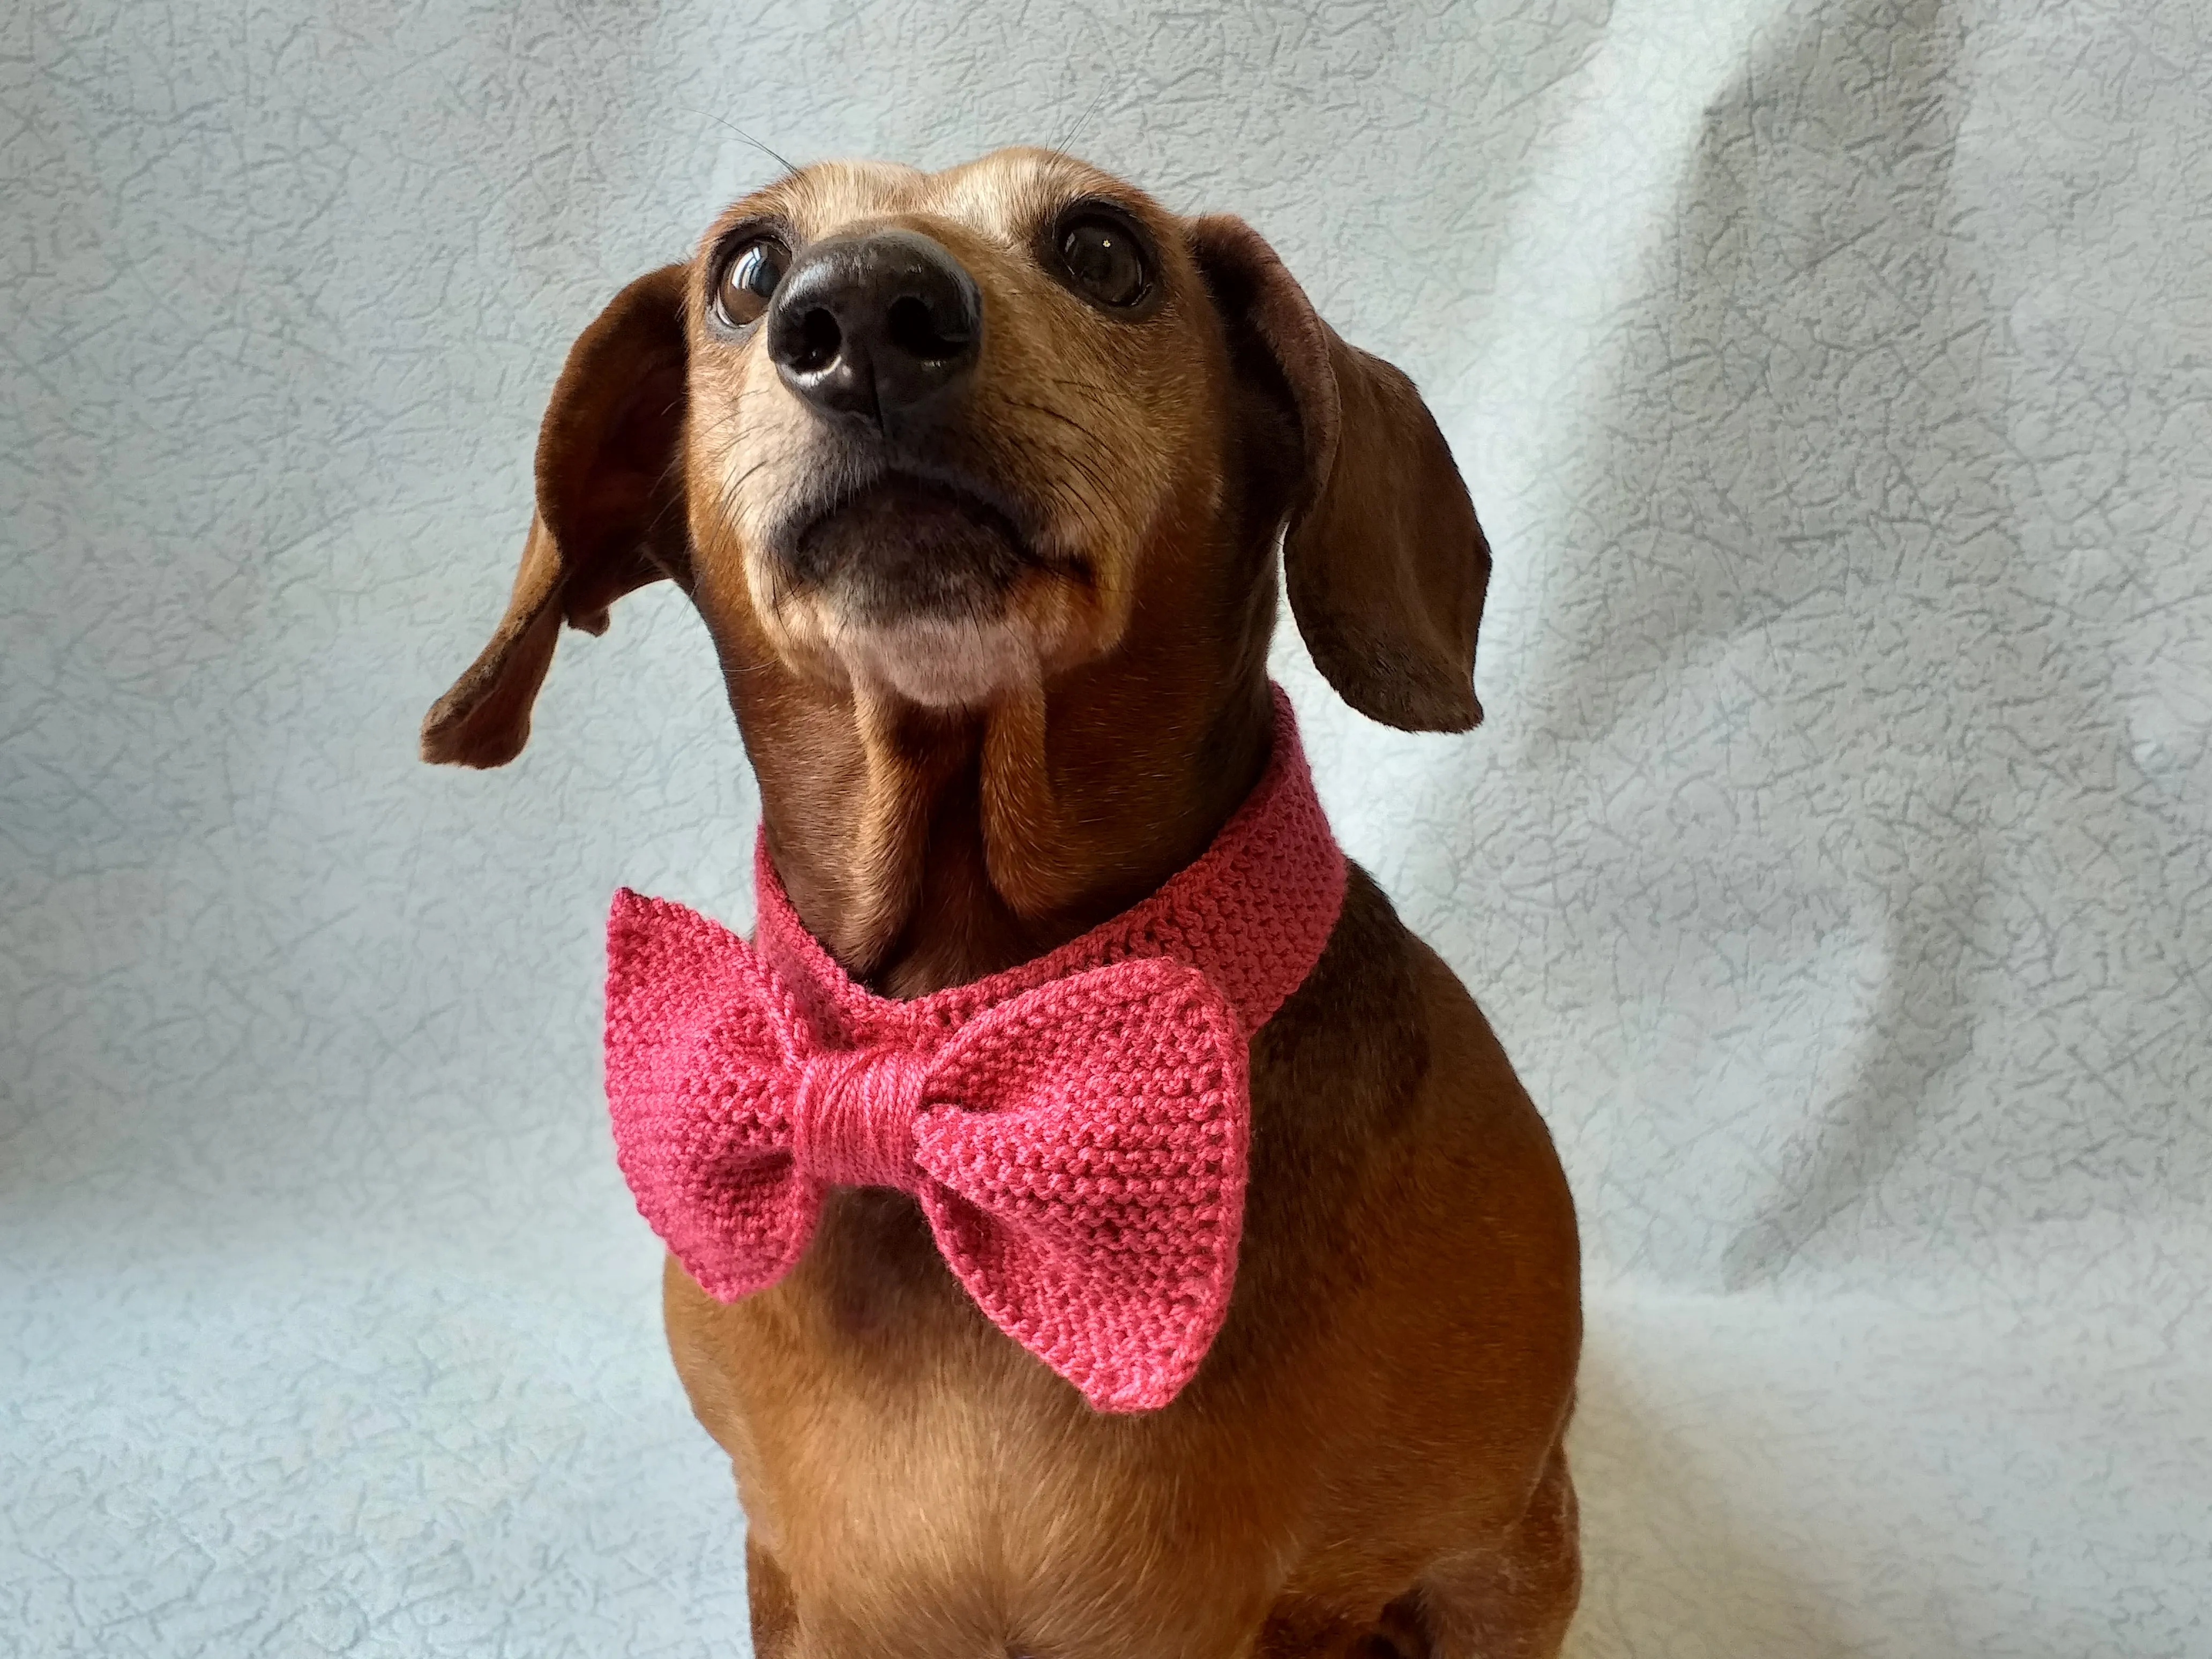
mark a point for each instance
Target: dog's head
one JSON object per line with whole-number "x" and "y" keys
{"x": 951, "y": 439}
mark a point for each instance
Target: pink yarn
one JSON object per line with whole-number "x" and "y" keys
{"x": 854, "y": 1116}
{"x": 1075, "y": 1128}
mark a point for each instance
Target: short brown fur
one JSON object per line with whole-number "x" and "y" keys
{"x": 1369, "y": 1461}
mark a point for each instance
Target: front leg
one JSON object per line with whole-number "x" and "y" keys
{"x": 1512, "y": 1600}
{"x": 776, "y": 1612}
{"x": 1517, "y": 1600}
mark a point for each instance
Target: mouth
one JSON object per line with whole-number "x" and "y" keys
{"x": 904, "y": 547}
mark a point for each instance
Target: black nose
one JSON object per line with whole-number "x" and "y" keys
{"x": 871, "y": 325}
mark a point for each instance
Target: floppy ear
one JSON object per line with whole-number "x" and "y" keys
{"x": 609, "y": 516}
{"x": 1385, "y": 563}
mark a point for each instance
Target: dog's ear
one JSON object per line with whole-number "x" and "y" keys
{"x": 609, "y": 516}
{"x": 1385, "y": 563}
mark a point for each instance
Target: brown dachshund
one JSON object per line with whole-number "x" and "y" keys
{"x": 977, "y": 479}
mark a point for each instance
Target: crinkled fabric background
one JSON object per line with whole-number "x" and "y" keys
{"x": 1835, "y": 380}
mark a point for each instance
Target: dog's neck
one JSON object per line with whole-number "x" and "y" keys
{"x": 925, "y": 849}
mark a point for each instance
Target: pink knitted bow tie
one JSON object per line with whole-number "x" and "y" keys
{"x": 1073, "y": 1128}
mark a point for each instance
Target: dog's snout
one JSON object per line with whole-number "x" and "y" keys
{"x": 870, "y": 325}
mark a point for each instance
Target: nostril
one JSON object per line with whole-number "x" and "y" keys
{"x": 918, "y": 333}
{"x": 819, "y": 340}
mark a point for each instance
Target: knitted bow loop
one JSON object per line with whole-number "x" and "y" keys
{"x": 699, "y": 1036}
{"x": 1094, "y": 1216}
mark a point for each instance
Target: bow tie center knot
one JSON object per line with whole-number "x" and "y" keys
{"x": 856, "y": 1115}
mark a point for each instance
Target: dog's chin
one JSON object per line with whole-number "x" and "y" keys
{"x": 917, "y": 588}
{"x": 941, "y": 662}
{"x": 905, "y": 548}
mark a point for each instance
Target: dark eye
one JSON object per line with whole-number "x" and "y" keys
{"x": 1103, "y": 259}
{"x": 748, "y": 281}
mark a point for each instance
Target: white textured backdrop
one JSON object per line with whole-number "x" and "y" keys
{"x": 1835, "y": 380}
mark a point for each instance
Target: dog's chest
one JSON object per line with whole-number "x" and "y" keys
{"x": 899, "y": 1453}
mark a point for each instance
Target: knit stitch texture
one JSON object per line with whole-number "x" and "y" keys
{"x": 1075, "y": 1128}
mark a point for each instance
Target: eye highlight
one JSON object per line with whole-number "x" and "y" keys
{"x": 749, "y": 279}
{"x": 1104, "y": 256}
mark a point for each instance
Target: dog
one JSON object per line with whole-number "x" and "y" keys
{"x": 978, "y": 479}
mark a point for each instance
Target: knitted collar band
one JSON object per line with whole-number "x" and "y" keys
{"x": 1252, "y": 914}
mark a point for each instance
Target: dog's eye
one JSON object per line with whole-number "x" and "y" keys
{"x": 748, "y": 281}
{"x": 1104, "y": 258}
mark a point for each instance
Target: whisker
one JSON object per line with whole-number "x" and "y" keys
{"x": 1077, "y": 504}
{"x": 789, "y": 167}
{"x": 1081, "y": 122}
{"x": 1096, "y": 391}
{"x": 1057, "y": 415}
